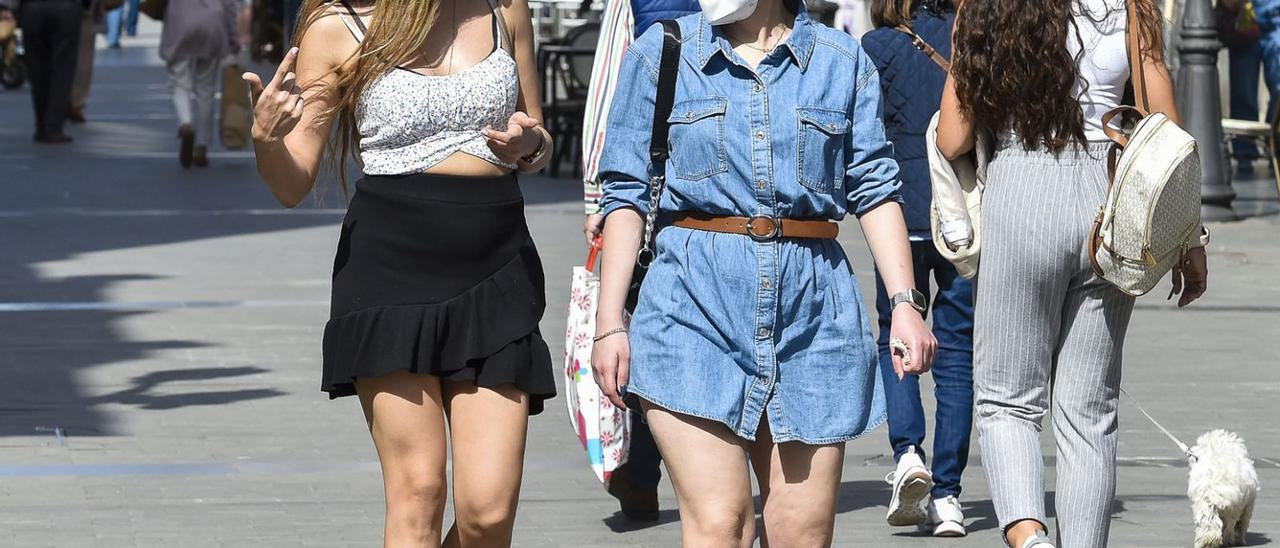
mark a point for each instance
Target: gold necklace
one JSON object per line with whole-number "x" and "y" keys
{"x": 752, "y": 44}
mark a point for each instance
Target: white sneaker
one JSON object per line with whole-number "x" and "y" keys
{"x": 946, "y": 518}
{"x": 1039, "y": 540}
{"x": 911, "y": 485}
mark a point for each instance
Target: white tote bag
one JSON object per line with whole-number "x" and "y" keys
{"x": 603, "y": 429}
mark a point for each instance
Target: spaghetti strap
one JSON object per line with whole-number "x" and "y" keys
{"x": 351, "y": 19}
{"x": 500, "y": 36}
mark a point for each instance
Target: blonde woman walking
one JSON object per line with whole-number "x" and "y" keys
{"x": 437, "y": 285}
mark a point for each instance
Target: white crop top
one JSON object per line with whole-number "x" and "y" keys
{"x": 409, "y": 121}
{"x": 1104, "y": 66}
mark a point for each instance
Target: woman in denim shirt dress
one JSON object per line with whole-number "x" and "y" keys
{"x": 753, "y": 350}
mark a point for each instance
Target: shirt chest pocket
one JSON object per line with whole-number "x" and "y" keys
{"x": 820, "y": 148}
{"x": 697, "y": 138}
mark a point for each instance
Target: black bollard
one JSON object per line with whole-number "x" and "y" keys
{"x": 1200, "y": 103}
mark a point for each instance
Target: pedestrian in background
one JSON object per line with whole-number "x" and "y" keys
{"x": 1040, "y": 75}
{"x": 197, "y": 35}
{"x": 911, "y": 83}
{"x": 1238, "y": 31}
{"x": 749, "y": 349}
{"x": 122, "y": 20}
{"x": 437, "y": 283}
{"x": 634, "y": 484}
{"x": 51, "y": 38}
{"x": 89, "y": 24}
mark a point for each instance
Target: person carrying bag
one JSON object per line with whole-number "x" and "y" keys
{"x": 604, "y": 428}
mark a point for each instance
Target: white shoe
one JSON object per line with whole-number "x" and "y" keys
{"x": 946, "y": 518}
{"x": 911, "y": 485}
{"x": 1039, "y": 540}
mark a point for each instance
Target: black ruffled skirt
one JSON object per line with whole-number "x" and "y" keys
{"x": 438, "y": 275}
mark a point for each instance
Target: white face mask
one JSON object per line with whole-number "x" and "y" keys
{"x": 720, "y": 12}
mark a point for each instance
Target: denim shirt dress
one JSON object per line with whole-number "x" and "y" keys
{"x": 728, "y": 328}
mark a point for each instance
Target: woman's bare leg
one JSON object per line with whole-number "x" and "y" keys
{"x": 799, "y": 485}
{"x": 708, "y": 467}
{"x": 487, "y": 427}
{"x": 406, "y": 418}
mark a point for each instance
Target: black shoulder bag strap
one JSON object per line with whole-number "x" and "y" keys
{"x": 668, "y": 68}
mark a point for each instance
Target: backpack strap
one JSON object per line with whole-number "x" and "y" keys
{"x": 924, "y": 47}
{"x": 1133, "y": 45}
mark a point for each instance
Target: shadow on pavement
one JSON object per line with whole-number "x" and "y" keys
{"x": 119, "y": 186}
{"x": 139, "y": 394}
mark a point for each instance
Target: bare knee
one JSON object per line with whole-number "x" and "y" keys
{"x": 490, "y": 520}
{"x": 416, "y": 491}
{"x": 727, "y": 526}
{"x": 798, "y": 525}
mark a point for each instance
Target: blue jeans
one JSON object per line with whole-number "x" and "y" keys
{"x": 131, "y": 20}
{"x": 1267, "y": 13}
{"x": 1243, "y": 63}
{"x": 952, "y": 309}
{"x": 122, "y": 18}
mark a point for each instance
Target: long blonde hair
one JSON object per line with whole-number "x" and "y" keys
{"x": 397, "y": 35}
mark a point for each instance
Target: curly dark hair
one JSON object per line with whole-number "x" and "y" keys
{"x": 1013, "y": 71}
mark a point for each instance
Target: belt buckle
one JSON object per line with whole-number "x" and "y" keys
{"x": 772, "y": 228}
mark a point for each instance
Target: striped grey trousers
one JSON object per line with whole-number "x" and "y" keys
{"x": 1046, "y": 328}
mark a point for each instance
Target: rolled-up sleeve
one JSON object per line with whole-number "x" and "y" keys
{"x": 624, "y": 163}
{"x": 871, "y": 176}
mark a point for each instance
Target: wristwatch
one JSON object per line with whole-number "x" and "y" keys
{"x": 916, "y": 299}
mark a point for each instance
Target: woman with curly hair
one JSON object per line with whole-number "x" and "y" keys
{"x": 1038, "y": 75}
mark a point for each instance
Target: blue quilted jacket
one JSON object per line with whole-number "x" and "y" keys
{"x": 648, "y": 12}
{"x": 911, "y": 90}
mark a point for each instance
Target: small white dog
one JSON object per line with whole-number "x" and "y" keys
{"x": 1222, "y": 487}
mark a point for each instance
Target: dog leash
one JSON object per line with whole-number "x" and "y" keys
{"x": 1185, "y": 450}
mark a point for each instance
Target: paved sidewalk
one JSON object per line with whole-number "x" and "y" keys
{"x": 159, "y": 345}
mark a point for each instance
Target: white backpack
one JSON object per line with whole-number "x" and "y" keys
{"x": 1152, "y": 210}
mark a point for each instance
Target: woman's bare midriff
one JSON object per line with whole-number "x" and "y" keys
{"x": 461, "y": 163}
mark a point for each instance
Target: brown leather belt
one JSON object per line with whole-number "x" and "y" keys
{"x": 760, "y": 228}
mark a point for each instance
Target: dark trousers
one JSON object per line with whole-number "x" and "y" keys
{"x": 952, "y": 310}
{"x": 51, "y": 36}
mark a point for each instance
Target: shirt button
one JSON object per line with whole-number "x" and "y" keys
{"x": 759, "y": 135}
{"x": 761, "y": 184}
{"x": 757, "y": 87}
{"x": 765, "y": 283}
{"x": 763, "y": 333}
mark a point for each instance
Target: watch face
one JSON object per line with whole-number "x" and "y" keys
{"x": 919, "y": 300}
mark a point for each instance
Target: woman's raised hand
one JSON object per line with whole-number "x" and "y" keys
{"x": 518, "y": 140}
{"x": 277, "y": 107}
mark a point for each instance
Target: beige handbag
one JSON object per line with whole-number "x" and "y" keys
{"x": 955, "y": 212}
{"x": 1152, "y": 210}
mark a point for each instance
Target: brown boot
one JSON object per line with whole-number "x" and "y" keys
{"x": 188, "y": 136}
{"x": 76, "y": 114}
{"x": 201, "y": 157}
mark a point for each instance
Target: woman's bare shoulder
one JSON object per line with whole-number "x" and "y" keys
{"x": 328, "y": 37}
